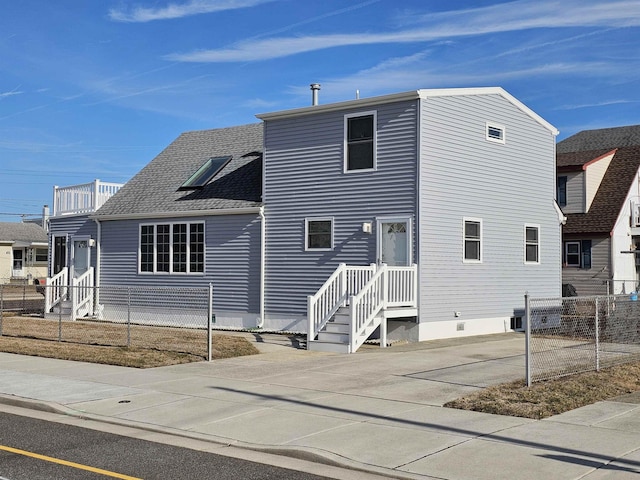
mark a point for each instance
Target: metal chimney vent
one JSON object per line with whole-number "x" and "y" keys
{"x": 315, "y": 87}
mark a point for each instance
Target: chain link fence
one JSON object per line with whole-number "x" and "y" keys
{"x": 161, "y": 318}
{"x": 571, "y": 335}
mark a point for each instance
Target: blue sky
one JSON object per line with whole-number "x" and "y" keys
{"x": 96, "y": 89}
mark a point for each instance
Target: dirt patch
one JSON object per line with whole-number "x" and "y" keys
{"x": 116, "y": 344}
{"x": 544, "y": 399}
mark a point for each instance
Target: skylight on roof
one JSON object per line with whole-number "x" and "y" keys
{"x": 206, "y": 173}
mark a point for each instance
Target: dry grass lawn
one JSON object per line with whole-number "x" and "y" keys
{"x": 552, "y": 397}
{"x": 100, "y": 342}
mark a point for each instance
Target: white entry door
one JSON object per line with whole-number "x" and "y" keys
{"x": 81, "y": 253}
{"x": 18, "y": 263}
{"x": 394, "y": 241}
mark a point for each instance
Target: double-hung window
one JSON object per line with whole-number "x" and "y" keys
{"x": 531, "y": 244}
{"x": 360, "y": 142}
{"x": 472, "y": 240}
{"x": 172, "y": 248}
{"x": 319, "y": 234}
{"x": 577, "y": 254}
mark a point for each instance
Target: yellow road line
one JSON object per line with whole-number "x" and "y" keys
{"x": 68, "y": 464}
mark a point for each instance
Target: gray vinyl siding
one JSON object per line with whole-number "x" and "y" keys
{"x": 575, "y": 193}
{"x": 304, "y": 178}
{"x": 591, "y": 281}
{"x": 232, "y": 259}
{"x": 507, "y": 186}
{"x": 76, "y": 225}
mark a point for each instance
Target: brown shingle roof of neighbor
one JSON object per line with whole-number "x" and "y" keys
{"x": 572, "y": 161}
{"x": 610, "y": 196}
{"x": 603, "y": 138}
{"x": 155, "y": 189}
{"x": 22, "y": 232}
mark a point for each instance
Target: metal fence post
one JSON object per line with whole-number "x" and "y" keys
{"x": 128, "y": 316}
{"x": 597, "y": 332}
{"x": 527, "y": 336}
{"x": 209, "y": 326}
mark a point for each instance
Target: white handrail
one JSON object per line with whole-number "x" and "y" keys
{"x": 82, "y": 292}
{"x": 344, "y": 282}
{"x": 56, "y": 289}
{"x": 366, "y": 305}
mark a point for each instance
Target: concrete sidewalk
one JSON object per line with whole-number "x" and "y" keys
{"x": 379, "y": 410}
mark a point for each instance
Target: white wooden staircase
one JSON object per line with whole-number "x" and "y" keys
{"x": 355, "y": 301}
{"x": 69, "y": 298}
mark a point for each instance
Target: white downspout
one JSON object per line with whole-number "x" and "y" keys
{"x": 262, "y": 265}
{"x": 96, "y": 279}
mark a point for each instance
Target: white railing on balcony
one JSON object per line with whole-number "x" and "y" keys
{"x": 83, "y": 198}
{"x": 368, "y": 290}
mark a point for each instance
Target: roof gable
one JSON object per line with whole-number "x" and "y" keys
{"x": 608, "y": 201}
{"x": 155, "y": 190}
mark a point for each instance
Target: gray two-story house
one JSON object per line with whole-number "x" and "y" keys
{"x": 420, "y": 215}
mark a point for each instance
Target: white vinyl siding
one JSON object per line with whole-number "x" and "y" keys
{"x": 462, "y": 175}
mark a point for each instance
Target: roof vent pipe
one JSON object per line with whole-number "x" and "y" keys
{"x": 315, "y": 87}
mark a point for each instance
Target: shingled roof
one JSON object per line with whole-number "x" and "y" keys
{"x": 22, "y": 233}
{"x": 611, "y": 194}
{"x": 156, "y": 188}
{"x": 603, "y": 138}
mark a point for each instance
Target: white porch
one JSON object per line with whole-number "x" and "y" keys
{"x": 355, "y": 301}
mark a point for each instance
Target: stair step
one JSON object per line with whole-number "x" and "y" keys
{"x": 333, "y": 337}
{"x": 320, "y": 346}
{"x": 335, "y": 327}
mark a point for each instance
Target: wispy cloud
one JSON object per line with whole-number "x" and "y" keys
{"x": 10, "y": 93}
{"x": 179, "y": 10}
{"x": 506, "y": 17}
{"x": 595, "y": 104}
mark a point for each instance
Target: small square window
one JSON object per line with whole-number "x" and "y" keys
{"x": 319, "y": 234}
{"x": 495, "y": 133}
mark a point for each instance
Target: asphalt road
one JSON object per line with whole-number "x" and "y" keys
{"x": 34, "y": 449}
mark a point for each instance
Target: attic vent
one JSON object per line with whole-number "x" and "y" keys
{"x": 205, "y": 173}
{"x": 495, "y": 133}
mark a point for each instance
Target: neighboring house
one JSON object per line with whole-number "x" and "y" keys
{"x": 23, "y": 252}
{"x": 429, "y": 212}
{"x": 598, "y": 189}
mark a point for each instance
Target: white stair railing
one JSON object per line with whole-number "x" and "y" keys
{"x": 82, "y": 295}
{"x": 56, "y": 289}
{"x": 365, "y": 307}
{"x": 343, "y": 283}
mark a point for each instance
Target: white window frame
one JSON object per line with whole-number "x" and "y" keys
{"x": 345, "y": 168}
{"x": 537, "y": 227}
{"x": 155, "y": 250}
{"x": 492, "y": 125}
{"x": 579, "y": 254}
{"x": 464, "y": 240}
{"x": 307, "y": 248}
